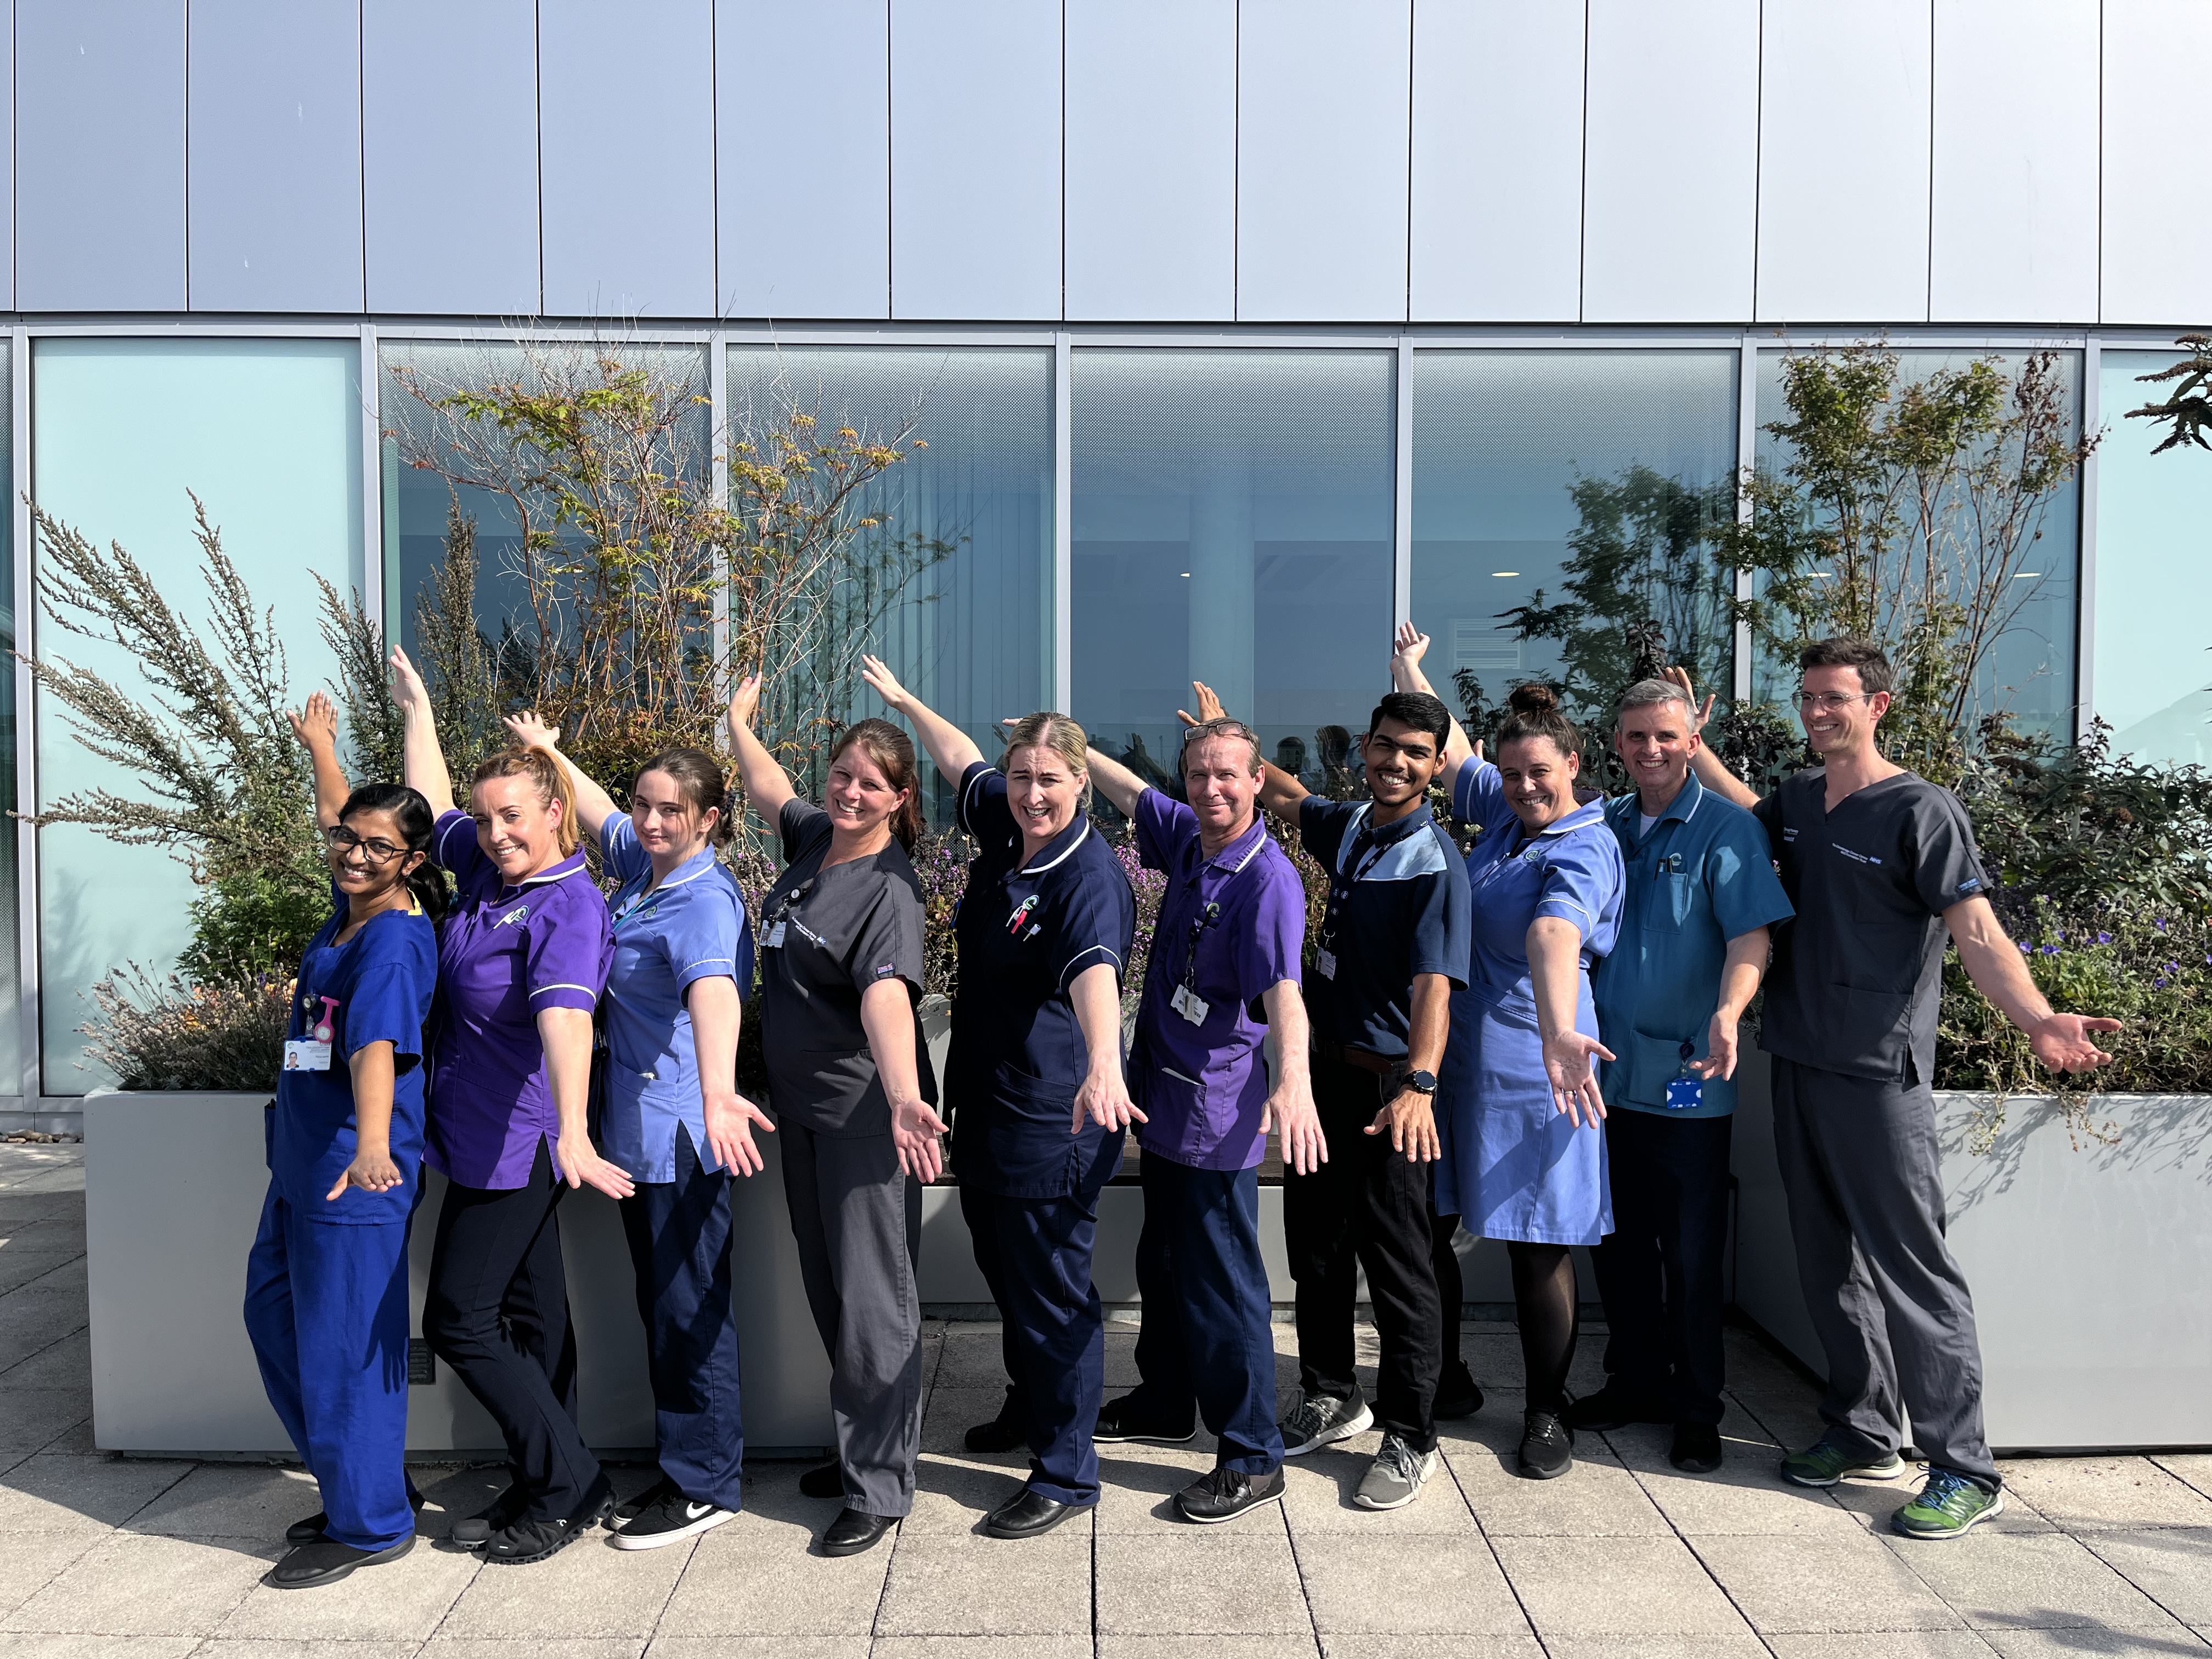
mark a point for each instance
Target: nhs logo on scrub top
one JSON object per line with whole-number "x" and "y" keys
{"x": 520, "y": 913}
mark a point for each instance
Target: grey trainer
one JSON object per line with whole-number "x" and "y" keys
{"x": 1396, "y": 1476}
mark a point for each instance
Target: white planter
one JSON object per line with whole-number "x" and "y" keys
{"x": 2088, "y": 1264}
{"x": 173, "y": 1186}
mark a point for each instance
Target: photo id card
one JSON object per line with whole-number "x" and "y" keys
{"x": 302, "y": 1054}
{"x": 1187, "y": 1004}
{"x": 1325, "y": 963}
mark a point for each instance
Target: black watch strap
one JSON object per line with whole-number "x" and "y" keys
{"x": 1421, "y": 1082}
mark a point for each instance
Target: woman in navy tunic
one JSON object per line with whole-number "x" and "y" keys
{"x": 1035, "y": 1083}
{"x": 326, "y": 1283}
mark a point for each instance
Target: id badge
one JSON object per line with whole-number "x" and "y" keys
{"x": 302, "y": 1055}
{"x": 1189, "y": 1006}
{"x": 1685, "y": 1094}
{"x": 1325, "y": 963}
{"x": 774, "y": 939}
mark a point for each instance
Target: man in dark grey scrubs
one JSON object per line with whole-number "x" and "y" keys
{"x": 1882, "y": 864}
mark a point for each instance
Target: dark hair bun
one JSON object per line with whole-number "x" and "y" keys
{"x": 1534, "y": 697}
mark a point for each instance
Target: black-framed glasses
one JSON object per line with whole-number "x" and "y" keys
{"x": 1827, "y": 702}
{"x": 343, "y": 840}
{"x": 1222, "y": 726}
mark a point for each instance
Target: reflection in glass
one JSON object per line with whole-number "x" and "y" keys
{"x": 971, "y": 633}
{"x": 11, "y": 1025}
{"x": 1561, "y": 498}
{"x": 1233, "y": 523}
{"x": 2154, "y": 619}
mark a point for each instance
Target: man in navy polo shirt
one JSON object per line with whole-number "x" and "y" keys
{"x": 1225, "y": 948}
{"x": 1396, "y": 937}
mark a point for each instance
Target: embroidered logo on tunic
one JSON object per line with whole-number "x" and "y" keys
{"x": 1860, "y": 858}
{"x": 886, "y": 969}
{"x": 1021, "y": 915}
{"x": 520, "y": 913}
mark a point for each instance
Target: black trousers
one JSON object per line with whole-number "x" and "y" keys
{"x": 497, "y": 1312}
{"x": 679, "y": 1247}
{"x": 1659, "y": 1270}
{"x": 1451, "y": 1293}
{"x": 1368, "y": 1207}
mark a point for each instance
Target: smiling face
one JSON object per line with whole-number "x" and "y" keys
{"x": 1839, "y": 715}
{"x": 1656, "y": 740}
{"x": 519, "y": 829}
{"x": 669, "y": 826}
{"x": 1401, "y": 761}
{"x": 860, "y": 797}
{"x": 378, "y": 860}
{"x": 1539, "y": 780}
{"x": 1221, "y": 781}
{"x": 1045, "y": 791}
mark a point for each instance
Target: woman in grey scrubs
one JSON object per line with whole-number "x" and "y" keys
{"x": 849, "y": 1083}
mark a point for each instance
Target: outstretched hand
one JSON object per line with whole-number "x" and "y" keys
{"x": 2062, "y": 1042}
{"x": 317, "y": 728}
{"x": 1570, "y": 1062}
{"x": 407, "y": 688}
{"x": 917, "y": 1132}
{"x": 529, "y": 731}
{"x": 1209, "y": 706}
{"x": 730, "y": 1120}
{"x": 1676, "y": 674}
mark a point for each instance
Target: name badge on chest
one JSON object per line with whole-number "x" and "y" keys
{"x": 304, "y": 1054}
{"x": 1187, "y": 1003}
{"x": 1325, "y": 963}
{"x": 773, "y": 941}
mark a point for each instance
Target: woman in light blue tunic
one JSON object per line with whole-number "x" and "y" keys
{"x": 1518, "y": 1104}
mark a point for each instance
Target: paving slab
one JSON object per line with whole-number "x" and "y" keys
{"x": 131, "y": 1586}
{"x": 1745, "y": 1495}
{"x": 953, "y": 1409}
{"x": 1210, "y": 1585}
{"x": 1825, "y": 1581}
{"x": 32, "y": 1319}
{"x": 35, "y": 1418}
{"x": 590, "y": 1589}
{"x": 972, "y": 1359}
{"x": 2083, "y": 1494}
{"x": 63, "y": 1492}
{"x": 1740, "y": 1644}
{"x": 94, "y": 1647}
{"x": 1597, "y": 1498}
{"x": 1405, "y": 1585}
{"x": 1887, "y": 1644}
{"x": 2195, "y": 1467}
{"x": 223, "y": 1647}
{"x": 20, "y": 1202}
{"x": 952, "y": 1494}
{"x": 2164, "y": 1643}
{"x": 29, "y": 1561}
{"x": 981, "y": 1647}
{"x": 405, "y": 1599}
{"x": 948, "y": 1584}
{"x": 1343, "y": 1645}
{"x": 233, "y": 1500}
{"x": 1137, "y": 1488}
{"x": 1114, "y": 1645}
{"x": 1318, "y": 1491}
{"x": 756, "y": 1576}
{"x": 575, "y": 1647}
{"x": 66, "y": 1364}
{"x": 21, "y": 1264}
{"x": 2172, "y": 1566}
{"x": 1876, "y": 1503}
{"x": 2030, "y": 1581}
{"x": 1601, "y": 1587}
{"x": 755, "y": 1647}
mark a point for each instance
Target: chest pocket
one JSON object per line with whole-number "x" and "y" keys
{"x": 1673, "y": 894}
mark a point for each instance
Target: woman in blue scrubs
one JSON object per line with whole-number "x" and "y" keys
{"x": 326, "y": 1283}
{"x": 672, "y": 1116}
{"x": 1518, "y": 1101}
{"x": 1039, "y": 1105}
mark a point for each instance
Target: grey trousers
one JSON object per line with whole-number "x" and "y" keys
{"x": 857, "y": 1218}
{"x": 1859, "y": 1161}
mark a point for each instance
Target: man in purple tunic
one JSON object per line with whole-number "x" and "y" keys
{"x": 1225, "y": 952}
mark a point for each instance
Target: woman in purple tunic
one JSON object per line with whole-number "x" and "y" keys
{"x": 521, "y": 962}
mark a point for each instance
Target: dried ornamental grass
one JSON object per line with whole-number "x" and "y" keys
{"x": 168, "y": 1032}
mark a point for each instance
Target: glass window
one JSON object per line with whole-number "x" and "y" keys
{"x": 2029, "y": 672}
{"x": 971, "y": 632}
{"x": 2154, "y": 617}
{"x": 1233, "y": 522}
{"x": 1561, "y": 497}
{"x": 11, "y": 984}
{"x": 267, "y": 434}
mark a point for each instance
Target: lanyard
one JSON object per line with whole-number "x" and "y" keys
{"x": 1339, "y": 892}
{"x": 786, "y": 904}
{"x": 1198, "y": 923}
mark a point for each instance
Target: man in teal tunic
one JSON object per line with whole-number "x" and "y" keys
{"x": 1701, "y": 895}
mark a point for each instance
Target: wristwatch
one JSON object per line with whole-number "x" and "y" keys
{"x": 1421, "y": 1082}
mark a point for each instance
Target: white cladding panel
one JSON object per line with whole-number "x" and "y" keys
{"x": 2015, "y": 223}
{"x": 1498, "y": 161}
{"x": 629, "y": 206}
{"x": 1670, "y": 176}
{"x": 274, "y": 156}
{"x": 100, "y": 157}
{"x": 1843, "y": 161}
{"x": 449, "y": 147}
{"x": 803, "y": 146}
{"x": 7, "y": 154}
{"x": 976, "y": 159}
{"x": 1152, "y": 160}
{"x": 2157, "y": 255}
{"x": 1324, "y": 92}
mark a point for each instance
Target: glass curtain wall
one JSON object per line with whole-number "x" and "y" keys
{"x": 11, "y": 986}
{"x": 267, "y": 433}
{"x": 970, "y": 630}
{"x": 2154, "y": 616}
{"x": 1559, "y": 499}
{"x": 1233, "y": 517}
{"x": 2029, "y": 672}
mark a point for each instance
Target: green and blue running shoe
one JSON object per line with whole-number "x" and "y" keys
{"x": 1823, "y": 1463}
{"x": 1949, "y": 1505}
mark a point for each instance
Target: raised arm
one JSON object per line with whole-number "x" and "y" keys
{"x": 2060, "y": 1042}
{"x": 1116, "y": 782}
{"x": 953, "y": 749}
{"x": 594, "y": 807}
{"x": 422, "y": 764}
{"x": 767, "y": 785}
{"x": 317, "y": 730}
{"x": 1412, "y": 644}
{"x": 1280, "y": 793}
{"x": 1705, "y": 764}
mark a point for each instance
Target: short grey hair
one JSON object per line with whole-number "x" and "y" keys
{"x": 1644, "y": 694}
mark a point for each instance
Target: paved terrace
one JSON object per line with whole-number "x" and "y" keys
{"x": 158, "y": 1560}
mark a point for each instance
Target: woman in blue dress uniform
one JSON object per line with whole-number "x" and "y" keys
{"x": 1035, "y": 1083}
{"x": 326, "y": 1282}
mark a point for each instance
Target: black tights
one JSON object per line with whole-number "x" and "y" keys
{"x": 1544, "y": 1303}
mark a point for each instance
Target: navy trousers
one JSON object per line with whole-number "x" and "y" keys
{"x": 1207, "y": 1343}
{"x": 680, "y": 1245}
{"x": 1034, "y": 1253}
{"x": 1659, "y": 1270}
{"x": 326, "y": 1311}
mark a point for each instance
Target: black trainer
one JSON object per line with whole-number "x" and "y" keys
{"x": 1696, "y": 1448}
{"x": 1611, "y": 1408}
{"x": 671, "y": 1521}
{"x": 1458, "y": 1394}
{"x": 1224, "y": 1494}
{"x": 1004, "y": 1433}
{"x": 1323, "y": 1420}
{"x": 325, "y": 1561}
{"x": 472, "y": 1532}
{"x": 823, "y": 1480}
{"x": 1118, "y": 1423}
{"x": 306, "y": 1531}
{"x": 526, "y": 1541}
{"x": 1547, "y": 1446}
{"x": 659, "y": 1493}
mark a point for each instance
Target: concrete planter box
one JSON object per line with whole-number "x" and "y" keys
{"x": 2088, "y": 1264}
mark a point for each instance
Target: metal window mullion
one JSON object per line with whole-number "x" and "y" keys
{"x": 718, "y": 447}
{"x": 27, "y": 751}
{"x": 1063, "y": 524}
{"x": 2085, "y": 563}
{"x": 1402, "y": 490}
{"x": 1746, "y": 457}
{"x": 374, "y": 601}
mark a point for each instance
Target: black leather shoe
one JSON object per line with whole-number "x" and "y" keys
{"x": 1458, "y": 1394}
{"x": 528, "y": 1540}
{"x": 325, "y": 1561}
{"x": 1697, "y": 1449}
{"x": 1117, "y": 1423}
{"x": 1612, "y": 1408}
{"x": 1224, "y": 1494}
{"x": 1026, "y": 1515}
{"x": 1547, "y": 1447}
{"x": 1004, "y": 1433}
{"x": 823, "y": 1480}
{"x": 471, "y": 1532}
{"x": 853, "y": 1531}
{"x": 306, "y": 1531}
